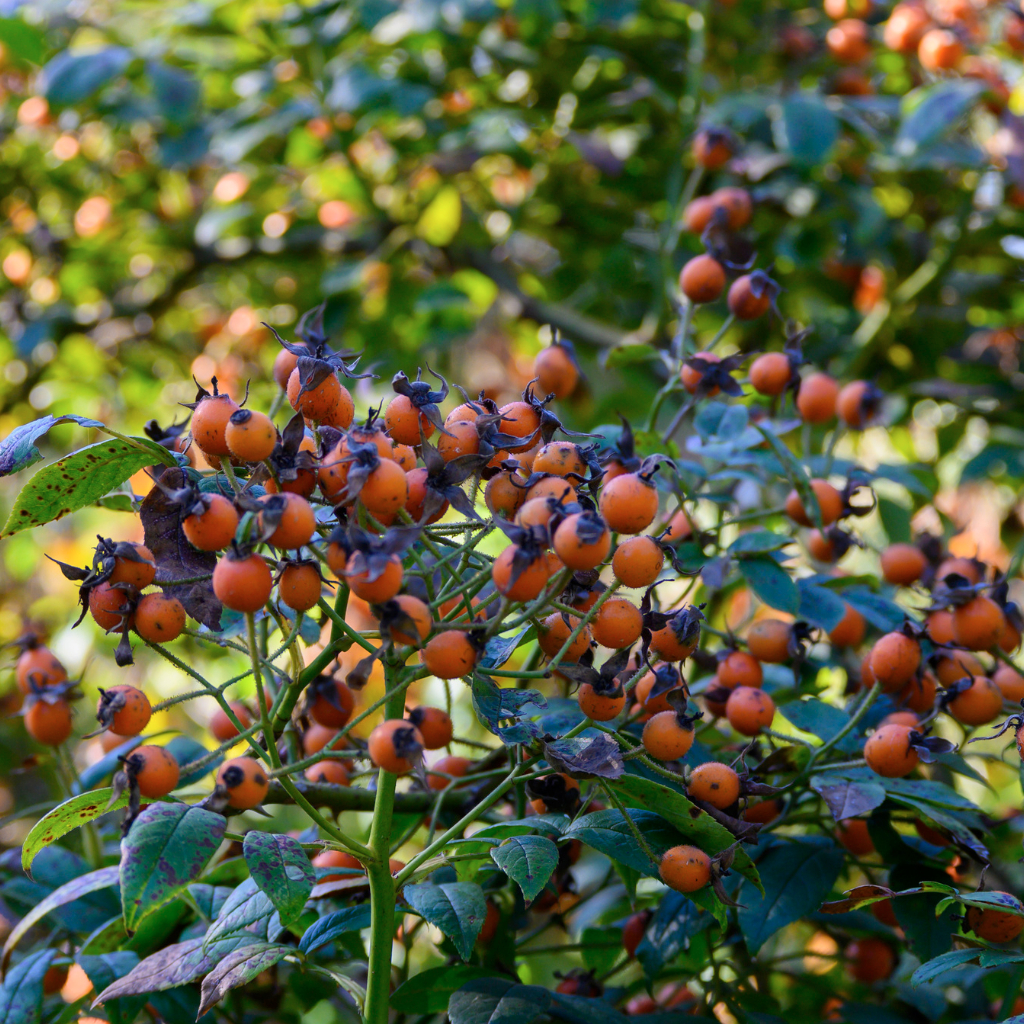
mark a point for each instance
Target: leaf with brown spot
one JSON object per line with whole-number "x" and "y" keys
{"x": 64, "y": 818}
{"x": 81, "y": 478}
{"x": 175, "y": 558}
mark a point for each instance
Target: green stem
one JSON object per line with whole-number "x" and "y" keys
{"x": 254, "y": 653}
{"x": 382, "y": 885}
{"x": 459, "y": 827}
{"x": 229, "y": 472}
{"x": 846, "y": 729}
{"x": 630, "y": 824}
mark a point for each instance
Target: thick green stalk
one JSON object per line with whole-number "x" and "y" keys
{"x": 382, "y": 885}
{"x": 261, "y": 697}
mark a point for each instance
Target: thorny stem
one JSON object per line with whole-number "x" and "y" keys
{"x": 218, "y": 696}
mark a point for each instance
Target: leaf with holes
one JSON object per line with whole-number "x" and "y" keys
{"x": 166, "y": 848}
{"x": 21, "y": 998}
{"x": 175, "y": 558}
{"x": 66, "y": 817}
{"x": 237, "y": 968}
{"x": 81, "y": 478}
{"x": 169, "y": 967}
{"x": 280, "y": 867}
{"x": 529, "y": 861}
{"x": 457, "y": 908}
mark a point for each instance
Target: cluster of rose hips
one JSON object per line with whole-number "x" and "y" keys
{"x": 570, "y": 511}
{"x": 939, "y": 33}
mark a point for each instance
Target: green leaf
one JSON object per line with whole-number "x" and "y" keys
{"x": 529, "y": 861}
{"x": 820, "y": 606}
{"x": 759, "y": 542}
{"x": 280, "y": 867}
{"x": 552, "y": 823}
{"x": 185, "y": 750}
{"x": 64, "y": 818}
{"x": 805, "y": 128}
{"x": 104, "y": 969}
{"x": 816, "y": 717}
{"x": 94, "y": 881}
{"x": 430, "y": 991}
{"x": 244, "y": 918}
{"x": 108, "y": 764}
{"x": 457, "y": 908}
{"x": 209, "y": 898}
{"x": 584, "y": 1010}
{"x": 608, "y": 832}
{"x": 497, "y": 1001}
{"x": 895, "y": 520}
{"x": 237, "y": 968}
{"x": 21, "y": 998}
{"x": 177, "y": 93}
{"x": 500, "y": 648}
{"x": 676, "y": 921}
{"x": 629, "y": 355}
{"x": 771, "y": 583}
{"x": 18, "y": 450}
{"x": 941, "y": 964}
{"x": 696, "y": 826}
{"x": 601, "y": 950}
{"x": 169, "y": 967}
{"x": 72, "y": 77}
{"x": 166, "y": 848}
{"x": 440, "y": 221}
{"x": 930, "y": 111}
{"x": 81, "y": 478}
{"x": 24, "y": 41}
{"x": 797, "y": 876}
{"x": 847, "y": 798}
{"x": 882, "y": 613}
{"x": 327, "y": 929}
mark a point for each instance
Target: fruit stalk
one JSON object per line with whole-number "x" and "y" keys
{"x": 268, "y": 733}
{"x": 378, "y": 870}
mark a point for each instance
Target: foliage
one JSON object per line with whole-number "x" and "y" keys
{"x": 461, "y": 189}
